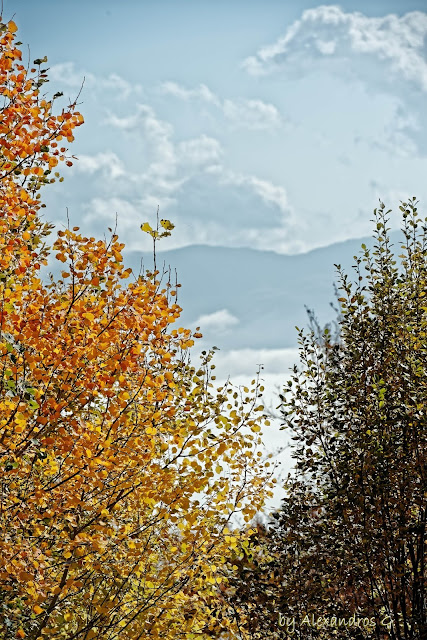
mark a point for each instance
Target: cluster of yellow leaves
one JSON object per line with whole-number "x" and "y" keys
{"x": 120, "y": 467}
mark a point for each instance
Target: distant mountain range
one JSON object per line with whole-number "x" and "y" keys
{"x": 267, "y": 292}
{"x": 264, "y": 293}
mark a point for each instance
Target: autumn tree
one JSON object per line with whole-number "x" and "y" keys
{"x": 122, "y": 467}
{"x": 349, "y": 542}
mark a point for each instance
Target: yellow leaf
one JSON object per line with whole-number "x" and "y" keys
{"x": 146, "y": 227}
{"x": 20, "y": 633}
{"x": 37, "y": 610}
{"x": 167, "y": 224}
{"x": 12, "y": 29}
{"x": 151, "y": 431}
{"x": 222, "y": 447}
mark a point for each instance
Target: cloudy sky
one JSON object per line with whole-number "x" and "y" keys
{"x": 273, "y": 125}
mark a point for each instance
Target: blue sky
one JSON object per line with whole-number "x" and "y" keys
{"x": 271, "y": 125}
{"x": 261, "y": 124}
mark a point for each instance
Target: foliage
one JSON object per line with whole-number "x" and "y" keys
{"x": 121, "y": 467}
{"x": 349, "y": 540}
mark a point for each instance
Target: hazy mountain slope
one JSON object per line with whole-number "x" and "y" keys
{"x": 267, "y": 292}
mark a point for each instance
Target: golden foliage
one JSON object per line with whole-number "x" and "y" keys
{"x": 121, "y": 468}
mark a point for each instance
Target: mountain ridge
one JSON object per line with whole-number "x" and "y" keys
{"x": 266, "y": 292}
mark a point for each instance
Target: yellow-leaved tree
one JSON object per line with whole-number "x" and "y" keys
{"x": 121, "y": 464}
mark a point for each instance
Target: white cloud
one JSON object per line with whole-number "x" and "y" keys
{"x": 65, "y": 73}
{"x": 396, "y": 143}
{"x": 329, "y": 30}
{"x": 119, "y": 85}
{"x": 399, "y": 135}
{"x": 106, "y": 209}
{"x": 106, "y": 161}
{"x": 189, "y": 183}
{"x": 244, "y": 362}
{"x": 170, "y": 165}
{"x": 129, "y": 212}
{"x": 204, "y": 152}
{"x": 271, "y": 194}
{"x": 200, "y": 151}
{"x": 157, "y": 133}
{"x": 202, "y": 92}
{"x": 218, "y": 322}
{"x": 250, "y": 114}
{"x": 326, "y": 47}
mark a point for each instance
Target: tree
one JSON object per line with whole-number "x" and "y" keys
{"x": 122, "y": 470}
{"x": 349, "y": 541}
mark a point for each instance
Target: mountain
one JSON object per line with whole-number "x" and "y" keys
{"x": 267, "y": 292}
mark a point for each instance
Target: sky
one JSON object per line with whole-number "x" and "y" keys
{"x": 272, "y": 125}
